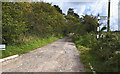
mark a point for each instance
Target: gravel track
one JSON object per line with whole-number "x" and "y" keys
{"x": 58, "y": 56}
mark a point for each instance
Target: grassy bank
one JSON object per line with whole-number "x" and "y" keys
{"x": 28, "y": 46}
{"x": 101, "y": 53}
{"x": 87, "y": 57}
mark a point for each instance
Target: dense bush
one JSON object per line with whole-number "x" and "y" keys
{"x": 104, "y": 48}
{"x": 23, "y": 19}
{"x": 12, "y": 22}
{"x": 85, "y": 40}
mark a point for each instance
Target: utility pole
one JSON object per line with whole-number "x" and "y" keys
{"x": 108, "y": 22}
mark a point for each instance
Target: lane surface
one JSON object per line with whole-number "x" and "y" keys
{"x": 58, "y": 56}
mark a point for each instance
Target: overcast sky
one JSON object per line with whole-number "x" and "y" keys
{"x": 94, "y": 7}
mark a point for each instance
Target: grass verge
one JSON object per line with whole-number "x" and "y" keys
{"x": 101, "y": 53}
{"x": 24, "y": 48}
{"x": 86, "y": 56}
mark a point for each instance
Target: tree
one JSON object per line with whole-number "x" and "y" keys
{"x": 76, "y": 15}
{"x": 23, "y": 18}
{"x": 70, "y": 12}
{"x": 13, "y": 22}
{"x": 58, "y": 9}
{"x": 89, "y": 23}
{"x": 82, "y": 25}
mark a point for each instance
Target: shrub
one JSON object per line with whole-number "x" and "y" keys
{"x": 104, "y": 48}
{"x": 24, "y": 18}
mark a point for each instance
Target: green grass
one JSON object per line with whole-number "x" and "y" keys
{"x": 99, "y": 65}
{"x": 24, "y": 48}
{"x": 87, "y": 57}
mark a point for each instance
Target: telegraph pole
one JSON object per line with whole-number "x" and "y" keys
{"x": 108, "y": 22}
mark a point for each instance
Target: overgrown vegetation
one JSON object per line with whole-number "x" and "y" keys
{"x": 101, "y": 53}
{"x": 23, "y": 18}
{"x": 26, "y": 26}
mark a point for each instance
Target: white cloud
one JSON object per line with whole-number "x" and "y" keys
{"x": 82, "y": 10}
{"x": 114, "y": 15}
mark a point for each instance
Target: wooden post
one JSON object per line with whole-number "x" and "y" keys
{"x": 108, "y": 22}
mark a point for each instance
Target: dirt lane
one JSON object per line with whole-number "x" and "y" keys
{"x": 58, "y": 56}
